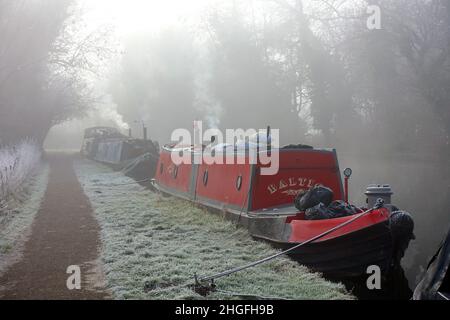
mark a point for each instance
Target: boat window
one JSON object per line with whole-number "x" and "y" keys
{"x": 205, "y": 178}
{"x": 239, "y": 182}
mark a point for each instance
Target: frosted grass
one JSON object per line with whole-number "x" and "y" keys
{"x": 17, "y": 164}
{"x": 16, "y": 217}
{"x": 151, "y": 243}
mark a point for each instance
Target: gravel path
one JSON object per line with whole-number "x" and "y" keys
{"x": 64, "y": 233}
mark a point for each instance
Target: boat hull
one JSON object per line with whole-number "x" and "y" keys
{"x": 346, "y": 256}
{"x": 110, "y": 147}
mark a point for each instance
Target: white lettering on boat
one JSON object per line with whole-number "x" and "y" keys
{"x": 303, "y": 183}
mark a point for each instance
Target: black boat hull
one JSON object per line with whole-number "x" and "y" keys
{"x": 346, "y": 256}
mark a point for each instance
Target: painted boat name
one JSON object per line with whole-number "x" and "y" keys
{"x": 284, "y": 184}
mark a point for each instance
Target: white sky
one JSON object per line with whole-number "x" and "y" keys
{"x": 129, "y": 16}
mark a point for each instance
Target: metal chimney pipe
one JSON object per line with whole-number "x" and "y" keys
{"x": 144, "y": 128}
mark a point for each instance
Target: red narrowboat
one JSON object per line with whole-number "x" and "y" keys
{"x": 264, "y": 204}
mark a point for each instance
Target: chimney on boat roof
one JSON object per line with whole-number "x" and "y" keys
{"x": 144, "y": 133}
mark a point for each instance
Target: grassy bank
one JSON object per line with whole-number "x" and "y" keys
{"x": 151, "y": 243}
{"x": 17, "y": 215}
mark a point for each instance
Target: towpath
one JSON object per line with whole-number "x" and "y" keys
{"x": 64, "y": 233}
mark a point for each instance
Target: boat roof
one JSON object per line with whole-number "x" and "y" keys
{"x": 103, "y": 131}
{"x": 197, "y": 148}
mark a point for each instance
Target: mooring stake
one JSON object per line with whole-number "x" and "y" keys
{"x": 201, "y": 289}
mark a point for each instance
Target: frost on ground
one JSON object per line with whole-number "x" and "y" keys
{"x": 17, "y": 214}
{"x": 151, "y": 244}
{"x": 17, "y": 164}
{"x": 22, "y": 186}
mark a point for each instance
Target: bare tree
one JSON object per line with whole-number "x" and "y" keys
{"x": 44, "y": 65}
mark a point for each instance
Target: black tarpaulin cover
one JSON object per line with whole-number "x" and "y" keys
{"x": 435, "y": 284}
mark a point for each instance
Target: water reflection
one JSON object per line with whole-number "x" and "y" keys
{"x": 394, "y": 286}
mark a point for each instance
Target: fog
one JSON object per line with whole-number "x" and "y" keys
{"x": 331, "y": 74}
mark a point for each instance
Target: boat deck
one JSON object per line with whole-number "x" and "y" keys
{"x": 288, "y": 210}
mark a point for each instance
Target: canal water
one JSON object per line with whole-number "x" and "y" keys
{"x": 421, "y": 187}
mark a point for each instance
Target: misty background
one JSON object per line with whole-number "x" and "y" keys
{"x": 311, "y": 68}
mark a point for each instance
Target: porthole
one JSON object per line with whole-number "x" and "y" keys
{"x": 239, "y": 182}
{"x": 205, "y": 178}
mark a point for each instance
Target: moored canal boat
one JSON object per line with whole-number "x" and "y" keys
{"x": 264, "y": 204}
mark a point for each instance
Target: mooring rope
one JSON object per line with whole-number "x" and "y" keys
{"x": 378, "y": 205}
{"x": 136, "y": 161}
{"x": 443, "y": 296}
